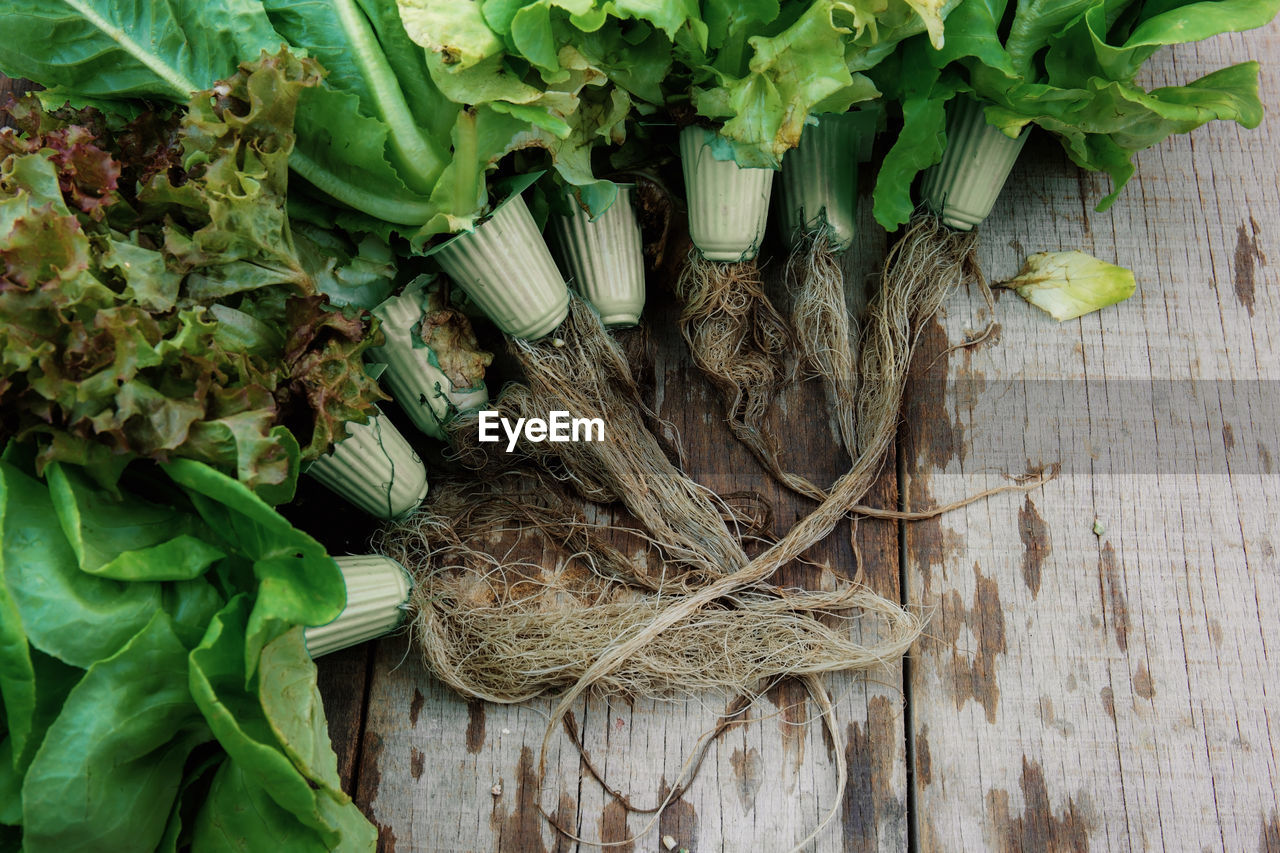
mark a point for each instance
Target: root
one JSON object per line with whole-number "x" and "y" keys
{"x": 588, "y": 372}
{"x": 824, "y": 330}
{"x": 922, "y": 268}
{"x": 740, "y": 341}
{"x": 691, "y": 611}
{"x": 507, "y": 631}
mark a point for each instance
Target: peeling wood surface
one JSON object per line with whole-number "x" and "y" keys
{"x": 1113, "y": 690}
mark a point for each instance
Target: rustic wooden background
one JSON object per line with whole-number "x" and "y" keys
{"x": 1106, "y": 687}
{"x": 1077, "y": 689}
{"x": 1100, "y": 670}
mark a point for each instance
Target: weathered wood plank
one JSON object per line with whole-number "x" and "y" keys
{"x": 1112, "y": 690}
{"x": 431, "y": 758}
{"x": 342, "y": 678}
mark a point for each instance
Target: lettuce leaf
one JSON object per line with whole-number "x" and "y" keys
{"x": 162, "y": 683}
{"x": 64, "y": 612}
{"x": 1070, "y": 68}
{"x": 1067, "y": 285}
{"x": 117, "y": 49}
{"x": 571, "y": 71}
{"x": 788, "y": 76}
{"x": 341, "y": 37}
{"x": 375, "y": 136}
{"x": 111, "y": 762}
{"x": 530, "y": 80}
{"x": 176, "y": 317}
{"x": 127, "y": 538}
{"x": 768, "y": 67}
{"x": 240, "y": 724}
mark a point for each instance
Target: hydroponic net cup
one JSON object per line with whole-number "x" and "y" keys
{"x": 728, "y": 205}
{"x": 604, "y": 258}
{"x": 506, "y": 269}
{"x": 820, "y": 181}
{"x": 377, "y": 601}
{"x": 964, "y": 187}
{"x": 375, "y": 469}
{"x": 413, "y": 374}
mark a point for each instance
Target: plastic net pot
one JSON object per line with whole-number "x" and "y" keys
{"x": 375, "y": 469}
{"x": 964, "y": 187}
{"x": 820, "y": 180}
{"x": 605, "y": 258}
{"x": 728, "y": 205}
{"x": 377, "y": 600}
{"x": 506, "y": 270}
{"x": 413, "y": 374}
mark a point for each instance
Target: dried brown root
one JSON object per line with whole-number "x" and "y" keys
{"x": 922, "y": 268}
{"x": 825, "y": 332}
{"x": 708, "y": 616}
{"x": 583, "y": 370}
{"x": 507, "y": 631}
{"x": 740, "y": 341}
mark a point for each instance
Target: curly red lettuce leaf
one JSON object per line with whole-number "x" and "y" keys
{"x": 176, "y": 317}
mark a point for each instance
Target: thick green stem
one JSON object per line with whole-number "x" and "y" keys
{"x": 395, "y": 210}
{"x": 466, "y": 156}
{"x": 417, "y": 157}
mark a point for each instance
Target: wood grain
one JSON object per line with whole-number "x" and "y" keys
{"x": 1112, "y": 690}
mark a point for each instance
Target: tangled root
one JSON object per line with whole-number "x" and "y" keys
{"x": 507, "y": 631}
{"x": 696, "y": 612}
{"x": 740, "y": 341}
{"x": 582, "y": 369}
{"x": 824, "y": 330}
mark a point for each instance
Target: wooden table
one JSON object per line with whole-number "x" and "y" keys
{"x": 1100, "y": 668}
{"x": 1079, "y": 688}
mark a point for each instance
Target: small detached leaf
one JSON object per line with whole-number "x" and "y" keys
{"x": 1070, "y": 284}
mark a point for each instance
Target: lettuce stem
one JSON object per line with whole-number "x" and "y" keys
{"x": 466, "y": 156}
{"x": 398, "y": 211}
{"x": 418, "y": 158}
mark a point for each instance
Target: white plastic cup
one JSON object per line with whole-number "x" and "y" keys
{"x": 605, "y": 258}
{"x": 377, "y": 601}
{"x": 505, "y": 268}
{"x": 413, "y": 376}
{"x": 977, "y": 161}
{"x": 375, "y": 469}
{"x": 820, "y": 180}
{"x": 728, "y": 205}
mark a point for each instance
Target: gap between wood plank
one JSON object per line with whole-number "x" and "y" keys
{"x": 904, "y": 597}
{"x": 358, "y": 758}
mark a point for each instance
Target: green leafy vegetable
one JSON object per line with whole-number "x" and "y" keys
{"x": 161, "y": 682}
{"x": 116, "y": 750}
{"x": 114, "y": 49}
{"x": 1069, "y": 67}
{"x": 811, "y": 65}
{"x": 557, "y": 98}
{"x": 384, "y": 135}
{"x": 177, "y": 317}
{"x": 1067, "y": 285}
{"x": 66, "y": 613}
